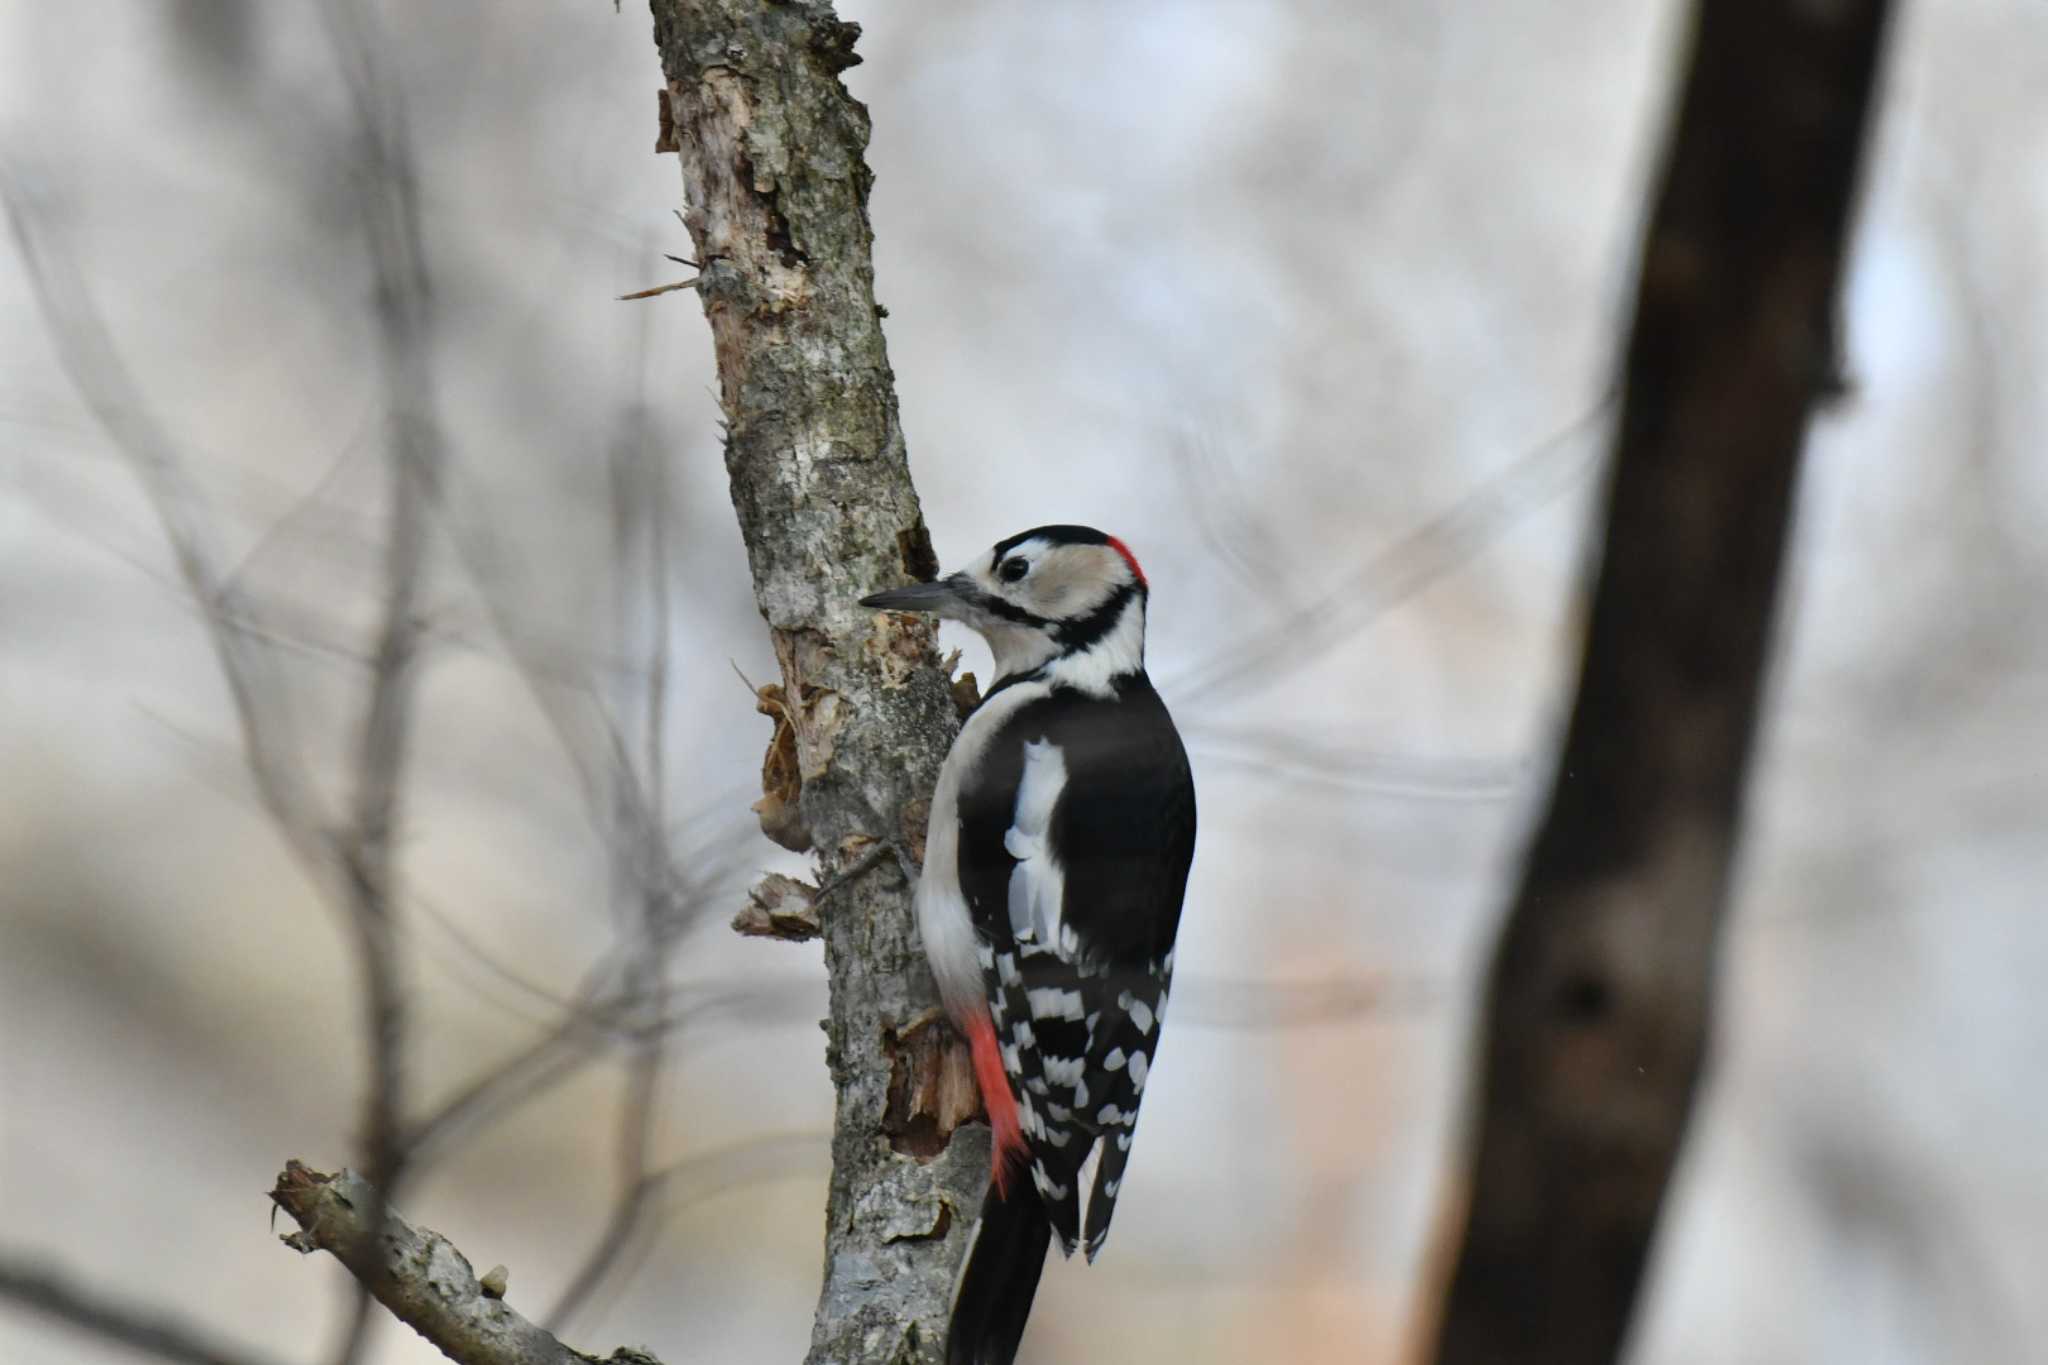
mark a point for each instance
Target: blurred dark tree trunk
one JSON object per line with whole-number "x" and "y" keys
{"x": 776, "y": 190}
{"x": 1602, "y": 977}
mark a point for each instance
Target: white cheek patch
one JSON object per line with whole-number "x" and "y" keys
{"x": 1071, "y": 580}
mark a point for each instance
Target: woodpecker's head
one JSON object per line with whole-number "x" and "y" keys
{"x": 1065, "y": 596}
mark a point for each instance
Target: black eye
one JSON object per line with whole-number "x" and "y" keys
{"x": 1014, "y": 568}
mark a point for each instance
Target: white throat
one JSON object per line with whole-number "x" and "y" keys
{"x": 1119, "y": 652}
{"x": 1017, "y": 649}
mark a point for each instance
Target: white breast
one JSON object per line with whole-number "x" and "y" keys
{"x": 950, "y": 943}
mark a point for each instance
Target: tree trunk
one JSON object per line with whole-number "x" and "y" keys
{"x": 1597, "y": 1017}
{"x": 776, "y": 191}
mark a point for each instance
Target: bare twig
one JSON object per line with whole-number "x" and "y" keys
{"x": 588, "y": 1025}
{"x": 629, "y": 1202}
{"x": 640, "y": 539}
{"x": 578, "y": 718}
{"x": 1393, "y": 575}
{"x": 380, "y": 158}
{"x": 1321, "y": 760}
{"x": 41, "y": 1290}
{"x": 715, "y": 1173}
{"x": 525, "y": 1073}
{"x": 419, "y": 1275}
{"x": 660, "y": 289}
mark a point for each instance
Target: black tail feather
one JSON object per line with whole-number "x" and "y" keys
{"x": 1001, "y": 1277}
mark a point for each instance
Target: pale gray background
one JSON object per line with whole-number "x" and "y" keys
{"x": 1263, "y": 287}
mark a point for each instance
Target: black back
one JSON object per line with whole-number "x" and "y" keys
{"x": 1123, "y": 833}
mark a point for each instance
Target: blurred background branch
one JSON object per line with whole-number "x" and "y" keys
{"x": 121, "y": 1320}
{"x": 1602, "y": 979}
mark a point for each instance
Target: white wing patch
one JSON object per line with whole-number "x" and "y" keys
{"x": 1054, "y": 1002}
{"x": 1063, "y": 1070}
{"x": 1038, "y": 883}
{"x": 1084, "y": 1181}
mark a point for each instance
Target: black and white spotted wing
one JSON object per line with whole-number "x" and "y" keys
{"x": 1077, "y": 829}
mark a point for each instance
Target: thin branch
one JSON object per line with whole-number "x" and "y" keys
{"x": 419, "y": 1275}
{"x": 387, "y": 195}
{"x": 640, "y": 539}
{"x": 1390, "y": 577}
{"x": 44, "y": 1291}
{"x": 629, "y": 1205}
{"x": 719, "y": 1172}
{"x": 584, "y": 1030}
{"x": 581, "y": 723}
{"x": 518, "y": 1076}
{"x": 1321, "y": 761}
{"x": 661, "y": 289}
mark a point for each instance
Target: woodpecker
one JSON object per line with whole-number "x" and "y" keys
{"x": 1057, "y": 856}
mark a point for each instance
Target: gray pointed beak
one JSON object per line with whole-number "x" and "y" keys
{"x": 934, "y": 597}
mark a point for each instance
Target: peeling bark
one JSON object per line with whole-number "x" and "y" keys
{"x": 776, "y": 204}
{"x": 932, "y": 1089}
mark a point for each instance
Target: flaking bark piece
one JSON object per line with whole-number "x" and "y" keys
{"x": 914, "y": 547}
{"x": 665, "y": 132}
{"x": 782, "y": 780}
{"x": 931, "y": 1086}
{"x": 780, "y": 907}
{"x": 966, "y": 691}
{"x": 966, "y": 694}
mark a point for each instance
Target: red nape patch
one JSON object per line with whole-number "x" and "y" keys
{"x": 997, "y": 1099}
{"x": 1129, "y": 559}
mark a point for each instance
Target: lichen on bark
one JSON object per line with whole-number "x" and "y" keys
{"x": 775, "y": 190}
